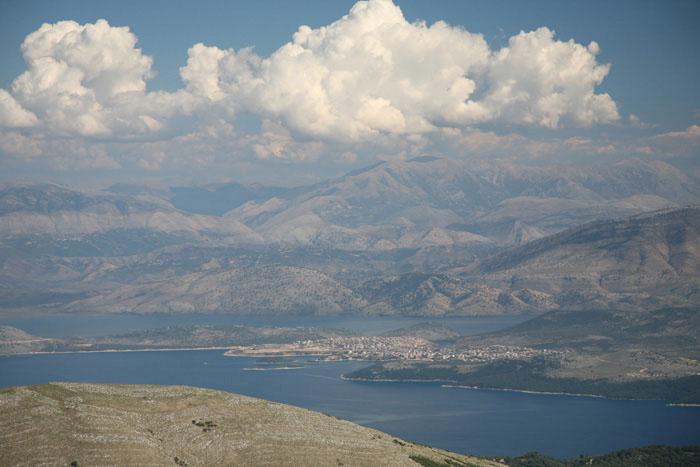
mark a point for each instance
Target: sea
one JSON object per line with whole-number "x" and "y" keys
{"x": 468, "y": 421}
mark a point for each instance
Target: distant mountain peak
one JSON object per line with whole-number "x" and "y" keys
{"x": 424, "y": 159}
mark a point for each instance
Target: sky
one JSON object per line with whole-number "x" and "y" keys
{"x": 172, "y": 92}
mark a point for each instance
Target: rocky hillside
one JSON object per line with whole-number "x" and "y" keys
{"x": 284, "y": 290}
{"x": 396, "y": 238}
{"x": 16, "y": 341}
{"x": 93, "y": 424}
{"x": 265, "y": 290}
{"x": 643, "y": 262}
{"x": 638, "y": 262}
{"x": 445, "y": 294}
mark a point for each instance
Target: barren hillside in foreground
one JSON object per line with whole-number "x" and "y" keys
{"x": 95, "y": 424}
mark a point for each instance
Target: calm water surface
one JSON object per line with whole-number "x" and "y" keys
{"x": 469, "y": 421}
{"x": 62, "y": 325}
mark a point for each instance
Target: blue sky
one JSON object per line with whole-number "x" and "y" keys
{"x": 377, "y": 85}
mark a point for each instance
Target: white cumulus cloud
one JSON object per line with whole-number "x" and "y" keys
{"x": 369, "y": 73}
{"x": 12, "y": 115}
{"x": 541, "y": 81}
{"x": 86, "y": 80}
{"x": 370, "y": 77}
{"x": 372, "y": 73}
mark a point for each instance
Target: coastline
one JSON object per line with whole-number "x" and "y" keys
{"x": 446, "y": 384}
{"x": 281, "y": 368}
{"x": 169, "y": 349}
{"x": 236, "y": 353}
{"x": 344, "y": 378}
{"x": 526, "y": 391}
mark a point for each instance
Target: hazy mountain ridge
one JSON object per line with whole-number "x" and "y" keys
{"x": 55, "y": 210}
{"x": 669, "y": 235}
{"x": 266, "y": 290}
{"x": 398, "y": 204}
{"x": 49, "y": 198}
{"x": 442, "y": 295}
{"x": 289, "y": 290}
{"x": 640, "y": 263}
{"x": 413, "y": 204}
{"x": 555, "y": 214}
{"x": 374, "y": 232}
{"x": 646, "y": 261}
{"x": 220, "y": 198}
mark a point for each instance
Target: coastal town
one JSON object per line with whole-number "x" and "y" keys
{"x": 433, "y": 344}
{"x": 384, "y": 348}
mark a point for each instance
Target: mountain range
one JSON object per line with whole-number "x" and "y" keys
{"x": 437, "y": 202}
{"x": 639, "y": 263}
{"x": 427, "y": 237}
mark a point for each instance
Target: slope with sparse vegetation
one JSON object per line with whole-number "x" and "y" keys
{"x": 94, "y": 424}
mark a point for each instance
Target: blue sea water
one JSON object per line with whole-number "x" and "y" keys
{"x": 479, "y": 422}
{"x": 102, "y": 324}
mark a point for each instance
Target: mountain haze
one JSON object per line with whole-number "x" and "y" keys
{"x": 413, "y": 204}
{"x": 426, "y": 237}
{"x": 267, "y": 290}
{"x": 638, "y": 263}
{"x": 430, "y": 202}
{"x": 55, "y": 210}
{"x": 641, "y": 261}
